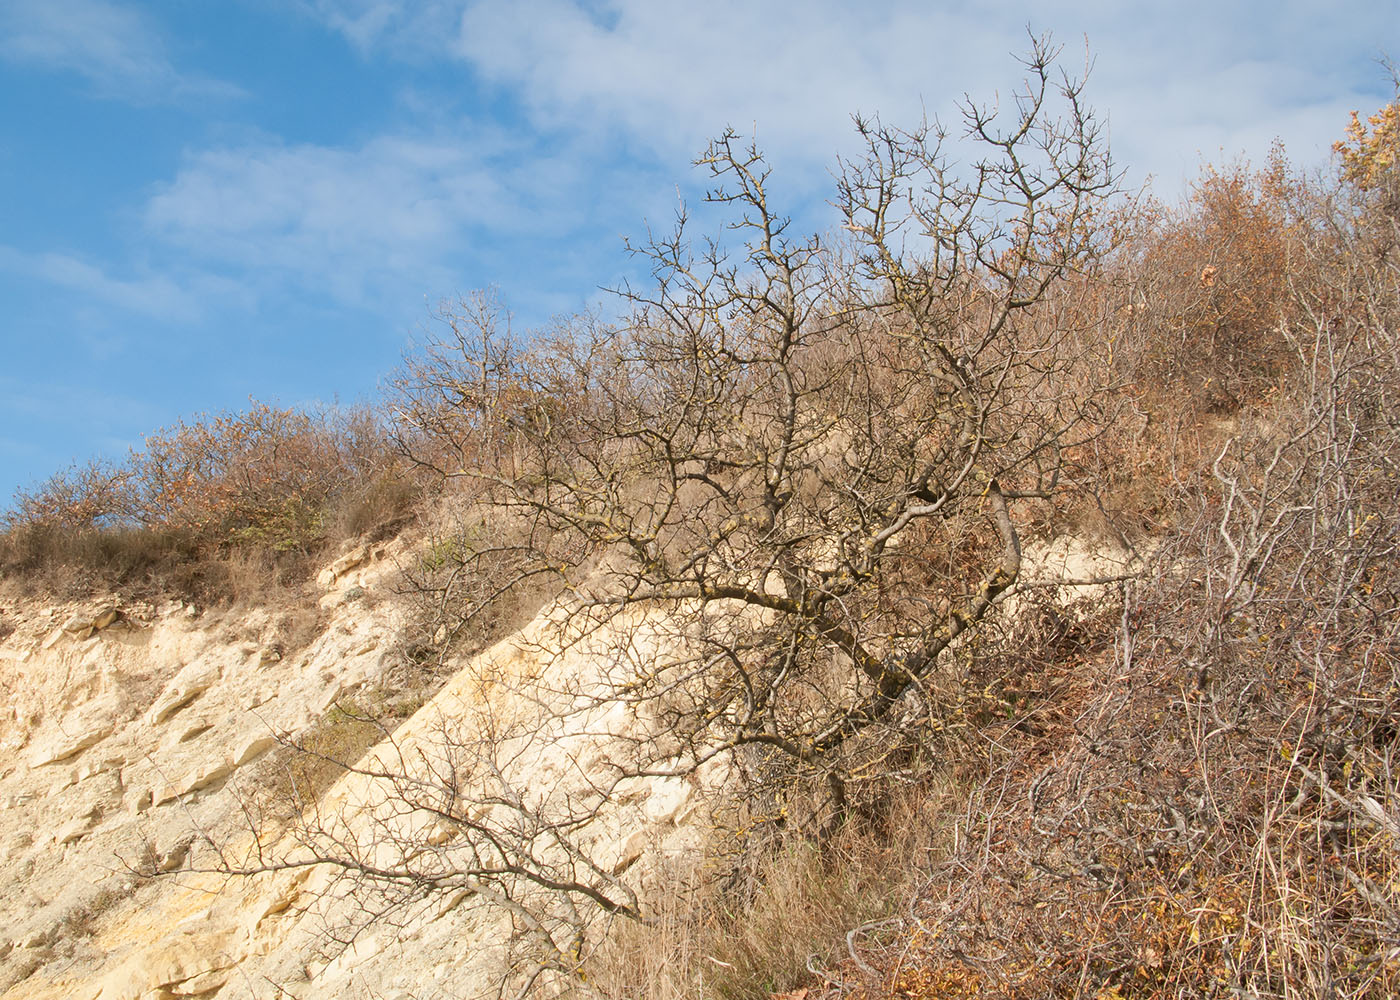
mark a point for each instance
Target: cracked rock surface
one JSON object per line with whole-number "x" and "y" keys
{"x": 132, "y": 748}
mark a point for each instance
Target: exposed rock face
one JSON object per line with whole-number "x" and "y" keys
{"x": 134, "y": 751}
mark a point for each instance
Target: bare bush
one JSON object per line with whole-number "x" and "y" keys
{"x": 200, "y": 501}
{"x": 1211, "y": 811}
{"x": 775, "y": 500}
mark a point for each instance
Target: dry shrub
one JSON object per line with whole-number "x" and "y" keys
{"x": 266, "y": 475}
{"x": 464, "y": 585}
{"x": 299, "y": 772}
{"x": 1211, "y": 807}
{"x": 1206, "y": 287}
{"x": 230, "y": 507}
{"x": 746, "y": 920}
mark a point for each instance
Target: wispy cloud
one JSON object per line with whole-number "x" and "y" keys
{"x": 668, "y": 73}
{"x": 410, "y": 26}
{"x": 117, "y": 49}
{"x": 152, "y": 295}
{"x": 348, "y": 221}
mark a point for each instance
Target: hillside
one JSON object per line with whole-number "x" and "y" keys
{"x": 996, "y": 599}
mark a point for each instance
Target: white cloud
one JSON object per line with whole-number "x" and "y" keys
{"x": 116, "y": 48}
{"x": 410, "y": 26}
{"x": 354, "y": 221}
{"x": 1178, "y": 84}
{"x": 669, "y": 73}
{"x": 155, "y": 295}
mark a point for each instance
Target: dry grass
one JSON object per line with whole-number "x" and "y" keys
{"x": 746, "y": 921}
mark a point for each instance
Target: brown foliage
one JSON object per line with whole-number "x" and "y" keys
{"x": 201, "y": 502}
{"x": 1206, "y": 289}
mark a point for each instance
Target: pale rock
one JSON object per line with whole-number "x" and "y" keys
{"x": 160, "y": 970}
{"x": 210, "y": 773}
{"x": 630, "y": 851}
{"x": 333, "y": 693}
{"x": 361, "y": 950}
{"x": 137, "y": 801}
{"x": 83, "y": 733}
{"x": 262, "y": 930}
{"x": 667, "y": 799}
{"x": 187, "y": 732}
{"x": 62, "y": 780}
{"x": 205, "y": 775}
{"x": 37, "y": 938}
{"x": 253, "y": 747}
{"x": 277, "y": 901}
{"x": 351, "y": 560}
{"x": 187, "y": 685}
{"x": 202, "y": 984}
{"x": 74, "y": 830}
{"x": 92, "y": 768}
{"x": 175, "y": 857}
{"x": 18, "y": 842}
{"x": 441, "y": 833}
{"x": 451, "y": 901}
{"x": 197, "y": 922}
{"x": 261, "y": 696}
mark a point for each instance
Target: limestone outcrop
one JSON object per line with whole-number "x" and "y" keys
{"x": 145, "y": 751}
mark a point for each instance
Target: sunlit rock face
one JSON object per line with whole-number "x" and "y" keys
{"x": 137, "y": 755}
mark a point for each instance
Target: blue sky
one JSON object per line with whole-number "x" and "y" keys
{"x": 206, "y": 201}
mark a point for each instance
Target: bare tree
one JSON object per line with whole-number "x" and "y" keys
{"x": 770, "y": 500}
{"x": 840, "y": 445}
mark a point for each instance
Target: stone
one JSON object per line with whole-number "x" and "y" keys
{"x": 667, "y": 799}
{"x": 353, "y": 559}
{"x": 194, "y": 959}
{"x": 188, "y": 731}
{"x": 86, "y": 732}
{"x": 200, "y": 778}
{"x": 174, "y": 858}
{"x": 138, "y": 800}
{"x": 200, "y": 985}
{"x": 187, "y": 685}
{"x": 38, "y": 938}
{"x": 206, "y": 775}
{"x": 253, "y": 747}
{"x": 74, "y": 830}
{"x": 630, "y": 852}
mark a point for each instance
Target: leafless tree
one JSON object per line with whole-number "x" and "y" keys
{"x": 840, "y": 445}
{"x": 771, "y": 499}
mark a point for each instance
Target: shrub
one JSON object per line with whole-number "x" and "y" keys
{"x": 202, "y": 501}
